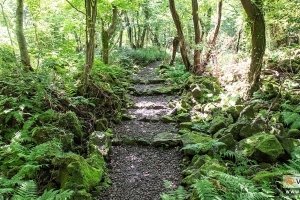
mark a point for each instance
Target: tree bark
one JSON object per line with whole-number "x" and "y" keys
{"x": 91, "y": 13}
{"x": 175, "y": 47}
{"x": 25, "y": 59}
{"x": 197, "y": 55}
{"x": 258, "y": 42}
{"x": 107, "y": 34}
{"x": 180, "y": 34}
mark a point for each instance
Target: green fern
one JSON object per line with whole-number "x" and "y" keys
{"x": 203, "y": 147}
{"x": 291, "y": 119}
{"x": 179, "y": 194}
{"x": 26, "y": 191}
{"x": 240, "y": 188}
{"x": 205, "y": 189}
{"x": 56, "y": 195}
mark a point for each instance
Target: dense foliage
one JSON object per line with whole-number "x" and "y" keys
{"x": 47, "y": 123}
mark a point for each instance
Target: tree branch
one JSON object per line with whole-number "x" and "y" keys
{"x": 75, "y": 7}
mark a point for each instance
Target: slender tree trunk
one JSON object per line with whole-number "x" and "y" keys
{"x": 258, "y": 42}
{"x": 107, "y": 34}
{"x": 91, "y": 13}
{"x": 25, "y": 59}
{"x": 177, "y": 22}
{"x": 201, "y": 69}
{"x": 129, "y": 30}
{"x": 175, "y": 47}
{"x": 7, "y": 25}
{"x": 197, "y": 56}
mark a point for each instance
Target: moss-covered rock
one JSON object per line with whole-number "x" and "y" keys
{"x": 212, "y": 166}
{"x": 229, "y": 142}
{"x": 268, "y": 177}
{"x": 189, "y": 141}
{"x": 101, "y": 124}
{"x": 235, "y": 128}
{"x": 167, "y": 119}
{"x": 184, "y": 117}
{"x": 196, "y": 91}
{"x": 76, "y": 172}
{"x": 262, "y": 147}
{"x": 289, "y": 144}
{"x": 203, "y": 166}
{"x": 235, "y": 111}
{"x": 248, "y": 112}
{"x": 257, "y": 125}
{"x": 293, "y": 133}
{"x": 69, "y": 121}
{"x": 100, "y": 142}
{"x": 166, "y": 139}
{"x": 187, "y": 125}
{"x": 48, "y": 133}
{"x": 220, "y": 121}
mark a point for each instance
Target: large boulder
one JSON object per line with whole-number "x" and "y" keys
{"x": 220, "y": 121}
{"x": 70, "y": 122}
{"x": 77, "y": 172}
{"x": 256, "y": 126}
{"x": 195, "y": 142}
{"x": 262, "y": 147}
{"x": 44, "y": 134}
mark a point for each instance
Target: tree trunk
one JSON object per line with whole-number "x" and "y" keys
{"x": 129, "y": 31}
{"x": 258, "y": 42}
{"x": 121, "y": 38}
{"x": 107, "y": 34}
{"x": 201, "y": 69}
{"x": 25, "y": 59}
{"x": 7, "y": 26}
{"x": 197, "y": 56}
{"x": 175, "y": 47}
{"x": 177, "y": 22}
{"x": 91, "y": 13}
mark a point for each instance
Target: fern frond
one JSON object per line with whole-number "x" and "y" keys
{"x": 205, "y": 189}
{"x": 26, "y": 191}
{"x": 56, "y": 195}
{"x": 179, "y": 194}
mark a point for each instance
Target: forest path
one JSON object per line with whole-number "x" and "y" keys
{"x": 139, "y": 160}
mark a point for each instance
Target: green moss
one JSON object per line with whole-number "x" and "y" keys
{"x": 187, "y": 125}
{"x": 293, "y": 133}
{"x": 101, "y": 124}
{"x": 76, "y": 172}
{"x": 48, "y": 133}
{"x": 167, "y": 119}
{"x": 212, "y": 166}
{"x": 220, "y": 121}
{"x": 268, "y": 177}
{"x": 261, "y": 147}
{"x": 69, "y": 121}
{"x": 289, "y": 144}
{"x": 183, "y": 117}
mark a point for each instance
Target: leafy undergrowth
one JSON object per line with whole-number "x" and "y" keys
{"x": 49, "y": 135}
{"x": 235, "y": 148}
{"x": 45, "y": 129}
{"x": 126, "y": 57}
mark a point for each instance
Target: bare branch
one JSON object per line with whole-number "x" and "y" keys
{"x": 75, "y": 8}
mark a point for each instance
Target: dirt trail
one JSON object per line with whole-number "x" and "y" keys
{"x": 137, "y": 168}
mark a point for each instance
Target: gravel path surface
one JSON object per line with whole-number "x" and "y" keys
{"x": 139, "y": 172}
